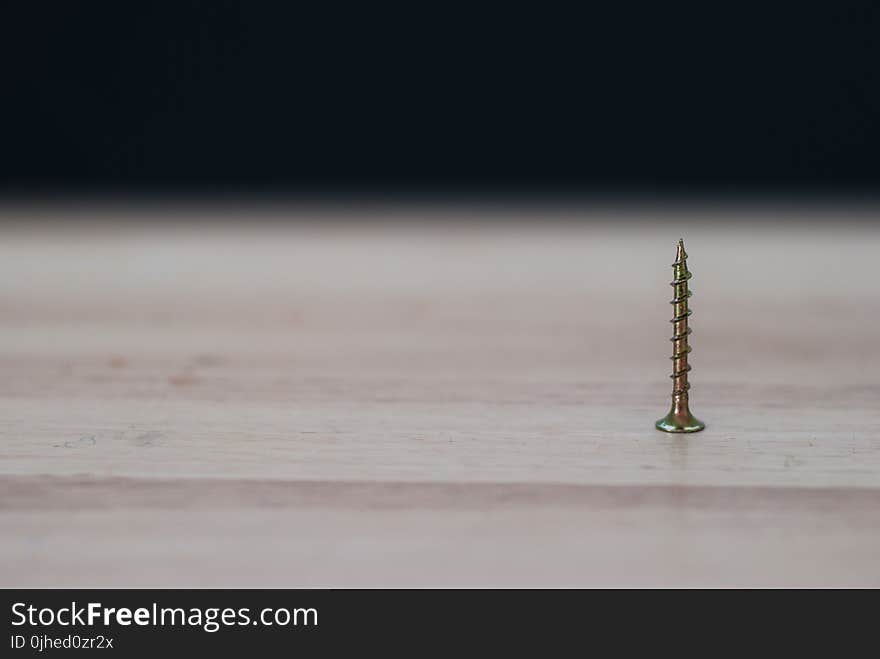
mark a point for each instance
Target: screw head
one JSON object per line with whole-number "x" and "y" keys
{"x": 679, "y": 422}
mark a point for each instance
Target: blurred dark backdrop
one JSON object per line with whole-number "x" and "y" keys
{"x": 301, "y": 99}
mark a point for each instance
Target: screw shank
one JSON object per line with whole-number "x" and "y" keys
{"x": 680, "y": 345}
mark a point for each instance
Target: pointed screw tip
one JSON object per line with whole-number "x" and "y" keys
{"x": 679, "y": 250}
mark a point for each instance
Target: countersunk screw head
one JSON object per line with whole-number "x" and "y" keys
{"x": 680, "y": 418}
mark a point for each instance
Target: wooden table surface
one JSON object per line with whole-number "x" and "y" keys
{"x": 442, "y": 402}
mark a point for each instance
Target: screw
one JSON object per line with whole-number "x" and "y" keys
{"x": 680, "y": 418}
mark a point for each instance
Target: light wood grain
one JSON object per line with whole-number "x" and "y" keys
{"x": 444, "y": 402}
{"x": 151, "y": 532}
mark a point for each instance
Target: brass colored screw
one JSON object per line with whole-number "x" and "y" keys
{"x": 680, "y": 418}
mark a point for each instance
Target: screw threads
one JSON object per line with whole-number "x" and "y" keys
{"x": 680, "y": 418}
{"x": 681, "y": 331}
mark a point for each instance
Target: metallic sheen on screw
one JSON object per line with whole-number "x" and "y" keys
{"x": 680, "y": 418}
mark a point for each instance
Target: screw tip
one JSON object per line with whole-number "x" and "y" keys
{"x": 680, "y": 254}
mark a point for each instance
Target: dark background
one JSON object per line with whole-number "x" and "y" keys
{"x": 323, "y": 100}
